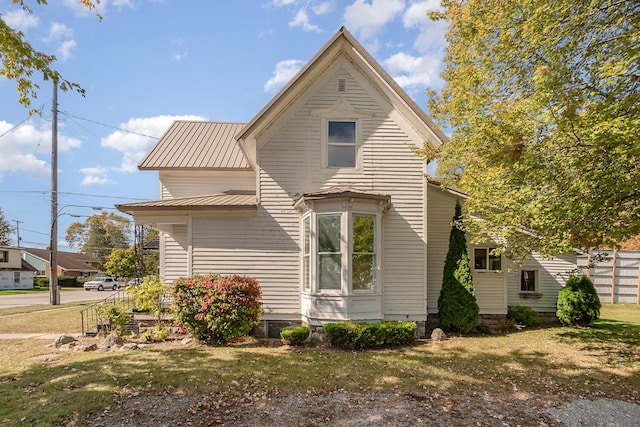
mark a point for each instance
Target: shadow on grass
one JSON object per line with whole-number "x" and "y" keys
{"x": 615, "y": 340}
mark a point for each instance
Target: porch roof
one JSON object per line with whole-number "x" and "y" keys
{"x": 226, "y": 201}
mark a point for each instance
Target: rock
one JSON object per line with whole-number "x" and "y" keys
{"x": 129, "y": 346}
{"x": 486, "y": 329}
{"x": 113, "y": 340}
{"x": 85, "y": 348}
{"x": 438, "y": 335}
{"x": 62, "y": 340}
{"x": 317, "y": 337}
{"x": 186, "y": 341}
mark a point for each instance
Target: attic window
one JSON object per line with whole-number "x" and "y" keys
{"x": 342, "y": 85}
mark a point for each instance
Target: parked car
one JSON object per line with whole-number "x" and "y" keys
{"x": 102, "y": 283}
{"x": 134, "y": 282}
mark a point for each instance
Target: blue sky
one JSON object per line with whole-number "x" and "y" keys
{"x": 149, "y": 62}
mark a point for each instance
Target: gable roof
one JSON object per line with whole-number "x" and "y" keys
{"x": 69, "y": 261}
{"x": 197, "y": 145}
{"x": 342, "y": 42}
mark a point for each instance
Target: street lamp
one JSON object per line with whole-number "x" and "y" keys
{"x": 54, "y": 292}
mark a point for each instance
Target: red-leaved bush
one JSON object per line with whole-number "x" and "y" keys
{"x": 216, "y": 309}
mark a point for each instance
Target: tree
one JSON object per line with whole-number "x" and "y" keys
{"x": 543, "y": 99}
{"x": 121, "y": 263}
{"x": 100, "y": 234}
{"x": 5, "y": 230}
{"x": 20, "y": 60}
{"x": 457, "y": 306}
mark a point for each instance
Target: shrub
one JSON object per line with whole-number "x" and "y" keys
{"x": 578, "y": 302}
{"x": 294, "y": 335}
{"x": 42, "y": 282}
{"x": 216, "y": 309}
{"x": 363, "y": 335}
{"x": 112, "y": 317}
{"x": 69, "y": 282}
{"x": 458, "y": 309}
{"x": 522, "y": 315}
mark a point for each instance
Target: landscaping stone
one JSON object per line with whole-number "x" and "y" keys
{"x": 438, "y": 335}
{"x": 112, "y": 341}
{"x": 63, "y": 339}
{"x": 129, "y": 346}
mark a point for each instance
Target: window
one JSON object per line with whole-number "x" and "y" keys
{"x": 341, "y": 144}
{"x": 483, "y": 259}
{"x": 329, "y": 252}
{"x": 528, "y": 280}
{"x": 306, "y": 253}
{"x": 363, "y": 256}
{"x": 16, "y": 277}
{"x": 4, "y": 256}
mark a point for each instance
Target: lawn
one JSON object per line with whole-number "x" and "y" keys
{"x": 41, "y": 386}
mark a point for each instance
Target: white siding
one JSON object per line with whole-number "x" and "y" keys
{"x": 173, "y": 253}
{"x": 176, "y": 184}
{"x": 291, "y": 165}
{"x": 552, "y": 275}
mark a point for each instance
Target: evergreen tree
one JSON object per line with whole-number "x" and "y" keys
{"x": 457, "y": 307}
{"x": 5, "y": 230}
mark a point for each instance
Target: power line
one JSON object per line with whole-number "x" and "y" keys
{"x": 73, "y": 194}
{"x": 15, "y": 127}
{"x": 108, "y": 126}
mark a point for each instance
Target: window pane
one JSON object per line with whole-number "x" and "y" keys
{"x": 363, "y": 240}
{"x": 362, "y": 273}
{"x": 306, "y": 271}
{"x": 480, "y": 259}
{"x": 342, "y": 132}
{"x": 528, "y": 280}
{"x": 329, "y": 233}
{"x": 340, "y": 156}
{"x": 306, "y": 236}
{"x": 495, "y": 261}
{"x": 329, "y": 271}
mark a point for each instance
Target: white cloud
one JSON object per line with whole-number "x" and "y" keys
{"x": 279, "y": 3}
{"x": 323, "y": 8}
{"x": 179, "y": 56}
{"x": 97, "y": 175}
{"x": 22, "y": 147}
{"x": 364, "y": 18}
{"x": 20, "y": 20}
{"x": 64, "y": 51}
{"x": 431, "y": 38}
{"x": 284, "y": 71}
{"x": 302, "y": 20}
{"x": 59, "y": 31}
{"x": 134, "y": 146}
{"x": 414, "y": 71}
{"x": 416, "y": 13}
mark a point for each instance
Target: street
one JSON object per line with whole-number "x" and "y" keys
{"x": 42, "y": 298}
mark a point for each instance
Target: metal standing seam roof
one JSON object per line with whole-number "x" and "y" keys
{"x": 209, "y": 202}
{"x": 197, "y": 145}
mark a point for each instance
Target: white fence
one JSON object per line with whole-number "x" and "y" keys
{"x": 616, "y": 276}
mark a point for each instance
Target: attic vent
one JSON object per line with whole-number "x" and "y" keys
{"x": 342, "y": 85}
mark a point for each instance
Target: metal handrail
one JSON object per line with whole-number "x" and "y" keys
{"x": 89, "y": 315}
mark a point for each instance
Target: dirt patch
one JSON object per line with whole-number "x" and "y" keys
{"x": 341, "y": 408}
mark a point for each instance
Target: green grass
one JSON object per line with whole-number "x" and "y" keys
{"x": 43, "y": 318}
{"x": 47, "y": 387}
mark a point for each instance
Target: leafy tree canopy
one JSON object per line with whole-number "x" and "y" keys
{"x": 543, "y": 99}
{"x": 5, "y": 230}
{"x": 20, "y": 60}
{"x": 100, "y": 234}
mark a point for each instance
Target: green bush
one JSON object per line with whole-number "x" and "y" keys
{"x": 216, "y": 309}
{"x": 363, "y": 335}
{"x": 458, "y": 309}
{"x": 112, "y": 317}
{"x": 69, "y": 282}
{"x": 522, "y": 315}
{"x": 294, "y": 335}
{"x": 578, "y": 302}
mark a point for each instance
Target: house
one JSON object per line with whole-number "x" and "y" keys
{"x": 69, "y": 263}
{"x": 15, "y": 273}
{"x": 321, "y": 198}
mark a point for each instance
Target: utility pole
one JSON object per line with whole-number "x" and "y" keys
{"x": 54, "y": 294}
{"x": 18, "y": 231}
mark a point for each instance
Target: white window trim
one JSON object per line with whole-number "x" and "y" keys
{"x": 324, "y": 137}
{"x": 536, "y": 283}
{"x": 487, "y": 258}
{"x": 346, "y": 242}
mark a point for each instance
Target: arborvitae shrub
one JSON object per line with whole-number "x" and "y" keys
{"x": 294, "y": 335}
{"x": 457, "y": 306}
{"x": 578, "y": 302}
{"x": 522, "y": 315}
{"x": 216, "y": 309}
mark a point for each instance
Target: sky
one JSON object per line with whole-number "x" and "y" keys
{"x": 147, "y": 63}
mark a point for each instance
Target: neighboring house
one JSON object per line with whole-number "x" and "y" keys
{"x": 15, "y": 273}
{"x": 322, "y": 199}
{"x": 69, "y": 263}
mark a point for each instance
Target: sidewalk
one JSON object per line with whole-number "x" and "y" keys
{"x": 42, "y": 336}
